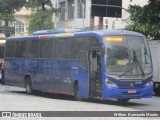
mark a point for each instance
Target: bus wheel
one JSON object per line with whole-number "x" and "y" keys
{"x": 76, "y": 95}
{"x": 2, "y": 79}
{"x": 123, "y": 100}
{"x": 28, "y": 86}
{"x": 156, "y": 89}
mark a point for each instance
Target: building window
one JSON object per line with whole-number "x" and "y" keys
{"x": 79, "y": 10}
{"x": 19, "y": 26}
{"x": 62, "y": 11}
{"x": 11, "y": 24}
{"x": 70, "y": 9}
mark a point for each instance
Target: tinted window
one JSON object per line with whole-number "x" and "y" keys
{"x": 20, "y": 49}
{"x": 62, "y": 48}
{"x": 10, "y": 48}
{"x": 83, "y": 60}
{"x": 46, "y": 48}
{"x": 82, "y": 44}
{"x": 33, "y": 48}
{"x": 1, "y": 52}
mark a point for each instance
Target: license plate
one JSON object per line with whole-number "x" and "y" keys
{"x": 132, "y": 91}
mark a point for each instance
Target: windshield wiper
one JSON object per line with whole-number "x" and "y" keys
{"x": 135, "y": 59}
{"x": 140, "y": 66}
{"x": 138, "y": 63}
{"x": 128, "y": 69}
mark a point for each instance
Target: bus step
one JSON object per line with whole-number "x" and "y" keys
{"x": 99, "y": 91}
{"x": 98, "y": 84}
{"x": 98, "y": 81}
{"x": 98, "y": 87}
{"x": 97, "y": 97}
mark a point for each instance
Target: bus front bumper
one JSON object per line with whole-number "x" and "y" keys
{"x": 116, "y": 93}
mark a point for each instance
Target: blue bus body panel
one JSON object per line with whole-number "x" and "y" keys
{"x": 11, "y": 73}
{"x": 47, "y": 75}
{"x": 122, "y": 90}
{"x": 83, "y": 83}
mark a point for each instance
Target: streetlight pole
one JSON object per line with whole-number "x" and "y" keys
{"x": 83, "y": 13}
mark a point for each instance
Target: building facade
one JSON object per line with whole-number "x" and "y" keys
{"x": 20, "y": 24}
{"x": 71, "y": 14}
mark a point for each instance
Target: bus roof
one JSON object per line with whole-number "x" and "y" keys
{"x": 118, "y": 32}
{"x": 104, "y": 32}
{"x": 55, "y": 31}
{"x": 78, "y": 33}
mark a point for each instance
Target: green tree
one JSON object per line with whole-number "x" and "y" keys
{"x": 36, "y": 4}
{"x": 8, "y": 8}
{"x": 146, "y": 19}
{"x": 40, "y": 20}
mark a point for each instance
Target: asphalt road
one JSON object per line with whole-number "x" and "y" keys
{"x": 15, "y": 99}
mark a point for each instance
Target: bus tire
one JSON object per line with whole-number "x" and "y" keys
{"x": 76, "y": 94}
{"x": 123, "y": 100}
{"x": 28, "y": 85}
{"x": 2, "y": 79}
{"x": 156, "y": 89}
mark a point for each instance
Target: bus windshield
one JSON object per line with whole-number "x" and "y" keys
{"x": 127, "y": 56}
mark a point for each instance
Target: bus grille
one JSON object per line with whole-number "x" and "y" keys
{"x": 128, "y": 80}
{"x": 130, "y": 87}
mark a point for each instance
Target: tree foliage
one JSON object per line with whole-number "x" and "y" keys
{"x": 40, "y": 20}
{"x": 9, "y": 7}
{"x": 36, "y": 4}
{"x": 42, "y": 17}
{"x": 146, "y": 19}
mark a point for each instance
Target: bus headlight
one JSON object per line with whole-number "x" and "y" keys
{"x": 110, "y": 84}
{"x": 148, "y": 83}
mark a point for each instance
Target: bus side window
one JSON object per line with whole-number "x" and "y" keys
{"x": 61, "y": 48}
{"x": 32, "y": 48}
{"x": 78, "y": 44}
{"x": 83, "y": 43}
{"x": 74, "y": 48}
{"x": 20, "y": 49}
{"x": 46, "y": 48}
{"x": 10, "y": 48}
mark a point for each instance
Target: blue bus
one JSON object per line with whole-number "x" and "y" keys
{"x": 103, "y": 64}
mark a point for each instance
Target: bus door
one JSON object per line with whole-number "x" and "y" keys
{"x": 95, "y": 73}
{"x": 83, "y": 75}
